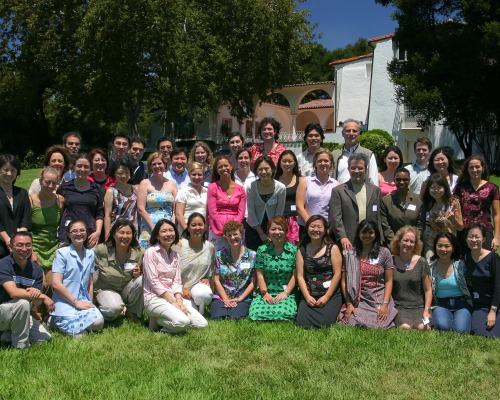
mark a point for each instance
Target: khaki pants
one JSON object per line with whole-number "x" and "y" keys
{"x": 111, "y": 303}
{"x": 20, "y": 329}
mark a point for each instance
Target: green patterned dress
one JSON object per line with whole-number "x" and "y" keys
{"x": 277, "y": 272}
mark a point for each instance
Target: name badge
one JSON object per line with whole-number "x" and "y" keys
{"x": 375, "y": 208}
{"x": 272, "y": 202}
{"x": 128, "y": 266}
{"x": 412, "y": 207}
{"x": 206, "y": 184}
{"x": 293, "y": 207}
{"x": 245, "y": 265}
{"x": 327, "y": 284}
{"x": 476, "y": 295}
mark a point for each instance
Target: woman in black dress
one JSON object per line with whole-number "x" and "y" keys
{"x": 318, "y": 275}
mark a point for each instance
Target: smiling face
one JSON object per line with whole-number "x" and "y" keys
{"x": 475, "y": 169}
{"x": 122, "y": 174}
{"x": 357, "y": 170}
{"x": 402, "y": 180}
{"x": 179, "y": 162}
{"x": 123, "y": 237}
{"x": 436, "y": 191}
{"x": 166, "y": 235}
{"x": 22, "y": 246}
{"x": 351, "y": 134}
{"x": 196, "y": 227}
{"x": 166, "y": 147}
{"x": 99, "y": 164}
{"x": 264, "y": 171}
{"x": 267, "y": 133}
{"x": 313, "y": 141}
{"x": 136, "y": 151}
{"x": 234, "y": 238}
{"x": 72, "y": 144}
{"x": 422, "y": 153}
{"x": 367, "y": 236}
{"x": 157, "y": 166}
{"x": 200, "y": 154}
{"x": 235, "y": 144}
{"x": 475, "y": 239}
{"x": 224, "y": 168}
{"x": 57, "y": 161}
{"x": 82, "y": 168}
{"x": 276, "y": 234}
{"x": 244, "y": 160}
{"x": 287, "y": 163}
{"x": 77, "y": 233}
{"x": 8, "y": 174}
{"x": 323, "y": 164}
{"x": 196, "y": 176}
{"x": 407, "y": 244}
{"x": 444, "y": 248}
{"x": 392, "y": 160}
{"x": 49, "y": 182}
{"x": 441, "y": 163}
{"x": 316, "y": 230}
{"x": 120, "y": 147}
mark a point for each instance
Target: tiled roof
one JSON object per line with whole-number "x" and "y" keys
{"x": 376, "y": 39}
{"x": 347, "y": 60}
{"x": 326, "y": 103}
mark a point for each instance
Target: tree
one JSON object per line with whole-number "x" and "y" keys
{"x": 89, "y": 65}
{"x": 452, "y": 69}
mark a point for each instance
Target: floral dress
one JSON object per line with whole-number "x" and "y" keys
{"x": 159, "y": 205}
{"x": 277, "y": 270}
{"x": 235, "y": 277}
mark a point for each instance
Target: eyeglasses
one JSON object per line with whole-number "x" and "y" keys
{"x": 402, "y": 179}
{"x": 76, "y": 231}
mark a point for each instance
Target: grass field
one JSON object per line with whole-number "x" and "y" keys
{"x": 247, "y": 360}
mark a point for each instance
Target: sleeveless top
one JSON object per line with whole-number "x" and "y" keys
{"x": 44, "y": 225}
{"x": 318, "y": 272}
{"x": 124, "y": 206}
{"x": 290, "y": 200}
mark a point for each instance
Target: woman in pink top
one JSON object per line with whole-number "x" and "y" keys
{"x": 226, "y": 201}
{"x": 392, "y": 159}
{"x": 162, "y": 284}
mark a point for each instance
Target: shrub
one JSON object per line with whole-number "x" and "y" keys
{"x": 330, "y": 146}
{"x": 31, "y": 160}
{"x": 375, "y": 143}
{"x": 386, "y": 135}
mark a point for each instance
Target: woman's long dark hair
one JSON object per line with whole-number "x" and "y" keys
{"x": 454, "y": 242}
{"x": 120, "y": 223}
{"x": 440, "y": 180}
{"x": 306, "y": 239}
{"x": 367, "y": 224}
{"x": 153, "y": 240}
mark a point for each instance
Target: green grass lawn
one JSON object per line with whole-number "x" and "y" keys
{"x": 246, "y": 360}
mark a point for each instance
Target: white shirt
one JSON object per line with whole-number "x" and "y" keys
{"x": 343, "y": 174}
{"x": 305, "y": 161}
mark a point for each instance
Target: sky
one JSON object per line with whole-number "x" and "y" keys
{"x": 342, "y": 22}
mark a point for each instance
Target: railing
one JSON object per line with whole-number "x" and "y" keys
{"x": 411, "y": 121}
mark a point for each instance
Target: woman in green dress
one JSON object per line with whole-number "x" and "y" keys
{"x": 45, "y": 217}
{"x": 275, "y": 270}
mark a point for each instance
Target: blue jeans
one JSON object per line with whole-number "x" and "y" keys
{"x": 458, "y": 318}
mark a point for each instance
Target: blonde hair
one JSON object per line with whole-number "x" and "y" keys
{"x": 49, "y": 170}
{"x": 194, "y": 165}
{"x": 399, "y": 235}
{"x": 210, "y": 156}
{"x": 154, "y": 156}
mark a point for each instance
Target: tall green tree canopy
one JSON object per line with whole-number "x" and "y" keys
{"x": 452, "y": 68}
{"x": 87, "y": 65}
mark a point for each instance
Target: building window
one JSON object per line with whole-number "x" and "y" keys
{"x": 368, "y": 71}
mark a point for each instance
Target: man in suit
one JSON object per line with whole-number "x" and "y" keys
{"x": 353, "y": 201}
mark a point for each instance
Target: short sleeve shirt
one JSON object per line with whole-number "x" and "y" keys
{"x": 30, "y": 276}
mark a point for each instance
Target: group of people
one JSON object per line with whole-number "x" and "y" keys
{"x": 261, "y": 233}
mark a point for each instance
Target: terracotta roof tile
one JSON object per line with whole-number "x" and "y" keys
{"x": 347, "y": 60}
{"x": 326, "y": 103}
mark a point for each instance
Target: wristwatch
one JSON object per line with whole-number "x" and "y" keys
{"x": 493, "y": 308}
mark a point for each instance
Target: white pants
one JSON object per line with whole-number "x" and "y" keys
{"x": 202, "y": 297}
{"x": 111, "y": 303}
{"x": 173, "y": 320}
{"x": 20, "y": 328}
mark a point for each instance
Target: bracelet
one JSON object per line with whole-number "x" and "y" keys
{"x": 385, "y": 302}
{"x": 286, "y": 291}
{"x": 263, "y": 292}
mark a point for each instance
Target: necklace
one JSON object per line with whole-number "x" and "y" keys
{"x": 406, "y": 264}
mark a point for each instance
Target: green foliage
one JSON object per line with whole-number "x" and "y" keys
{"x": 374, "y": 142}
{"x": 31, "y": 160}
{"x": 452, "y": 69}
{"x": 380, "y": 132}
{"x": 95, "y": 66}
{"x": 330, "y": 146}
{"x": 249, "y": 360}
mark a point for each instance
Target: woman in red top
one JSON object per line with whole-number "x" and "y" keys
{"x": 269, "y": 130}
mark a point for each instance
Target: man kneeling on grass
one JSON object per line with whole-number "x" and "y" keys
{"x": 20, "y": 286}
